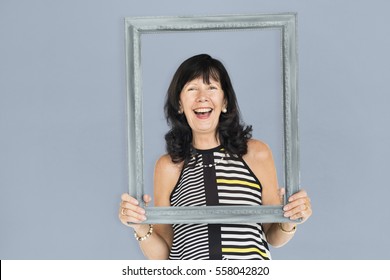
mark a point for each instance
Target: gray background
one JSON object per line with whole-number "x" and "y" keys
{"x": 253, "y": 60}
{"x": 63, "y": 159}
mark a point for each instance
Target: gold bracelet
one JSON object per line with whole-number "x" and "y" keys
{"x": 294, "y": 229}
{"x": 149, "y": 233}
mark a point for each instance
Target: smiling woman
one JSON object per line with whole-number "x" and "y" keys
{"x": 211, "y": 160}
{"x": 203, "y": 112}
{"x": 202, "y": 103}
{"x": 261, "y": 53}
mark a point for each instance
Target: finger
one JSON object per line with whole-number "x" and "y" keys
{"x": 294, "y": 208}
{"x": 301, "y": 211}
{"x": 126, "y": 213}
{"x": 304, "y": 215}
{"x": 299, "y": 215}
{"x": 297, "y": 204}
{"x": 295, "y": 211}
{"x": 300, "y": 194}
{"x": 132, "y": 207}
{"x": 132, "y": 211}
{"x": 126, "y": 197}
{"x": 147, "y": 198}
{"x": 135, "y": 216}
{"x": 131, "y": 221}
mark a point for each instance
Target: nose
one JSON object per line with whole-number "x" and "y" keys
{"x": 202, "y": 96}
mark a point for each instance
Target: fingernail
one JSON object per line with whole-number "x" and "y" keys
{"x": 285, "y": 208}
{"x": 142, "y": 211}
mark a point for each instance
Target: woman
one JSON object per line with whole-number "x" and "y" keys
{"x": 211, "y": 160}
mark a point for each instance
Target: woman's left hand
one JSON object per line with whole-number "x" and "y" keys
{"x": 298, "y": 207}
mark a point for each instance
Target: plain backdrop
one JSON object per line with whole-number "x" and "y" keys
{"x": 63, "y": 151}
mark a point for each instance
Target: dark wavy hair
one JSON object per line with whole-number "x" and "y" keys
{"x": 233, "y": 135}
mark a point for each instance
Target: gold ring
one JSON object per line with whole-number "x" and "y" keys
{"x": 123, "y": 211}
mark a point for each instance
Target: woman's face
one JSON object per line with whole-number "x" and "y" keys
{"x": 202, "y": 105}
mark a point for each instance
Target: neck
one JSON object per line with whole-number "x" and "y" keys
{"x": 204, "y": 142}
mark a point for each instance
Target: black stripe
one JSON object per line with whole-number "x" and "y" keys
{"x": 211, "y": 189}
{"x": 210, "y": 180}
{"x": 215, "y": 241}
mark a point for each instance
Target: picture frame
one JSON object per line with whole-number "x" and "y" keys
{"x": 135, "y": 27}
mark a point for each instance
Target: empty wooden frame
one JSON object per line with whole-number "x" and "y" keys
{"x": 135, "y": 27}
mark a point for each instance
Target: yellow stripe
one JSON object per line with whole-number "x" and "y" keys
{"x": 244, "y": 250}
{"x": 240, "y": 182}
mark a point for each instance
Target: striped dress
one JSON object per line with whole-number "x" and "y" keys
{"x": 213, "y": 177}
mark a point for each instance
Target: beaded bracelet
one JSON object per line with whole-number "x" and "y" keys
{"x": 294, "y": 229}
{"x": 142, "y": 238}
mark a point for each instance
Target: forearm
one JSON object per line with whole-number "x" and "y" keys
{"x": 154, "y": 247}
{"x": 278, "y": 234}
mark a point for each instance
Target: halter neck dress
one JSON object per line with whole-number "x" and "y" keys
{"x": 214, "y": 177}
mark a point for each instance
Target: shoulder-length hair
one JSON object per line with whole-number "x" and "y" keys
{"x": 232, "y": 134}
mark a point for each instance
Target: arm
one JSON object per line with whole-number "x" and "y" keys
{"x": 260, "y": 160}
{"x": 158, "y": 244}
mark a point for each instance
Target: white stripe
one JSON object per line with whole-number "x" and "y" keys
{"x": 191, "y": 175}
{"x": 231, "y": 168}
{"x": 240, "y": 236}
{"x": 243, "y": 257}
{"x": 198, "y": 239}
{"x": 196, "y": 186}
{"x": 195, "y": 202}
{"x": 241, "y": 229}
{"x": 179, "y": 228}
{"x": 192, "y": 190}
{"x": 191, "y": 193}
{"x": 239, "y": 189}
{"x": 235, "y": 175}
{"x": 242, "y": 243}
{"x": 237, "y": 202}
{"x": 234, "y": 195}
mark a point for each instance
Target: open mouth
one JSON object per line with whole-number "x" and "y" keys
{"x": 203, "y": 113}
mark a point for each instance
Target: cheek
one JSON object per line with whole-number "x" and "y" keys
{"x": 218, "y": 101}
{"x": 186, "y": 102}
{"x": 182, "y": 102}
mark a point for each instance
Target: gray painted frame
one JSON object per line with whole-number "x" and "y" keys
{"x": 134, "y": 28}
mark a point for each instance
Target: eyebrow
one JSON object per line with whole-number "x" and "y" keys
{"x": 195, "y": 82}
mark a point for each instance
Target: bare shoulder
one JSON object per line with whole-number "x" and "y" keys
{"x": 258, "y": 151}
{"x": 166, "y": 175}
{"x": 165, "y": 164}
{"x": 260, "y": 160}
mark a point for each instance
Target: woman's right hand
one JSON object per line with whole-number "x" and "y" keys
{"x": 130, "y": 213}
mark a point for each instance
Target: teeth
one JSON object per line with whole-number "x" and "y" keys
{"x": 203, "y": 110}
